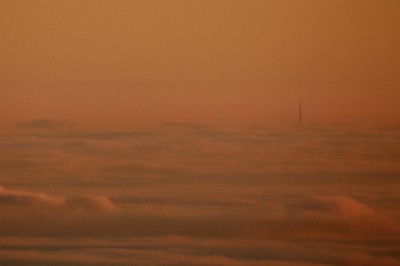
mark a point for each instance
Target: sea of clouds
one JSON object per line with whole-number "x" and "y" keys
{"x": 188, "y": 194}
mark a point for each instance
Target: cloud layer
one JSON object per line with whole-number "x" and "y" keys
{"x": 199, "y": 195}
{"x": 24, "y": 198}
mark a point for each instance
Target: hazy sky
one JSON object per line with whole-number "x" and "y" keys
{"x": 145, "y": 62}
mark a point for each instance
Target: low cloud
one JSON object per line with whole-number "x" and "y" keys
{"x": 339, "y": 215}
{"x": 328, "y": 195}
{"x": 335, "y": 206}
{"x": 8, "y": 197}
{"x": 26, "y": 198}
{"x": 172, "y": 250}
{"x": 90, "y": 203}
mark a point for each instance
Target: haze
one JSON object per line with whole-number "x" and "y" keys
{"x": 233, "y": 62}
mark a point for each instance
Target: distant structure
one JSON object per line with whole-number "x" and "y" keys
{"x": 300, "y": 113}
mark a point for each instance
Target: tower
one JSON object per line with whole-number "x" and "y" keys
{"x": 300, "y": 113}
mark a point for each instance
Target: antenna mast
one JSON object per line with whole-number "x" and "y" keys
{"x": 300, "y": 113}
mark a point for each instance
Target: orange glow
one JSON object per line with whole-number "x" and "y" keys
{"x": 201, "y": 61}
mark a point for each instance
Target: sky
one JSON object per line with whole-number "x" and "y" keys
{"x": 113, "y": 63}
{"x": 165, "y": 133}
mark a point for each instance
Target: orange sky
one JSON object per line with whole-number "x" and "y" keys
{"x": 145, "y": 62}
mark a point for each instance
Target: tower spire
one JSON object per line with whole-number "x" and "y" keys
{"x": 300, "y": 113}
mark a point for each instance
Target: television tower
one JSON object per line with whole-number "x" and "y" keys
{"x": 300, "y": 113}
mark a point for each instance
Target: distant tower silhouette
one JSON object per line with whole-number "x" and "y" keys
{"x": 300, "y": 113}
